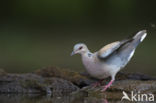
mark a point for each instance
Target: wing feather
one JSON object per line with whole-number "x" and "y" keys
{"x": 108, "y": 49}
{"x": 112, "y": 47}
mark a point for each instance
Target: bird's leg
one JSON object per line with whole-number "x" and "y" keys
{"x": 107, "y": 86}
{"x": 97, "y": 83}
{"x": 105, "y": 101}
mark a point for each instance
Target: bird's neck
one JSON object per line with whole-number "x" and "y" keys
{"x": 87, "y": 54}
{"x": 87, "y": 59}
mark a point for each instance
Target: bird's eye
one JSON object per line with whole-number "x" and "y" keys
{"x": 80, "y": 48}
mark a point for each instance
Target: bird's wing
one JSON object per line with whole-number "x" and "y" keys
{"x": 110, "y": 48}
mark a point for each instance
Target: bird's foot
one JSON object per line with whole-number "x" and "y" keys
{"x": 95, "y": 84}
{"x": 107, "y": 86}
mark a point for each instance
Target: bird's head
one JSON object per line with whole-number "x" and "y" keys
{"x": 79, "y": 48}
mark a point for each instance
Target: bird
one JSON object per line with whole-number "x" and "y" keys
{"x": 110, "y": 59}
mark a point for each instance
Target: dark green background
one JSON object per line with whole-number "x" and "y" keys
{"x": 39, "y": 33}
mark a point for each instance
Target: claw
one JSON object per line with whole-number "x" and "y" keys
{"x": 97, "y": 83}
{"x": 104, "y": 89}
{"x": 107, "y": 86}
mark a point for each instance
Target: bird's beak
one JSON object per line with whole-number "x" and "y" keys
{"x": 72, "y": 53}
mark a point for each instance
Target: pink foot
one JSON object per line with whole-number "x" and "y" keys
{"x": 107, "y": 86}
{"x": 97, "y": 83}
{"x": 105, "y": 101}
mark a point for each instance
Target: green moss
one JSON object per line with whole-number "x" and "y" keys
{"x": 32, "y": 84}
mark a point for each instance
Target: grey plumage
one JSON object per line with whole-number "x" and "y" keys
{"x": 111, "y": 58}
{"x": 119, "y": 46}
{"x": 121, "y": 55}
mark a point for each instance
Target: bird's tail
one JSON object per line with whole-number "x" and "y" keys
{"x": 138, "y": 38}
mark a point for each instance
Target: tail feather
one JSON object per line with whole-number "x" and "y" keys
{"x": 139, "y": 37}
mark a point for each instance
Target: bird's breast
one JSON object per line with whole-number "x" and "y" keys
{"x": 95, "y": 68}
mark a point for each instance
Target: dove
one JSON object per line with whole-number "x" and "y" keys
{"x": 110, "y": 59}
